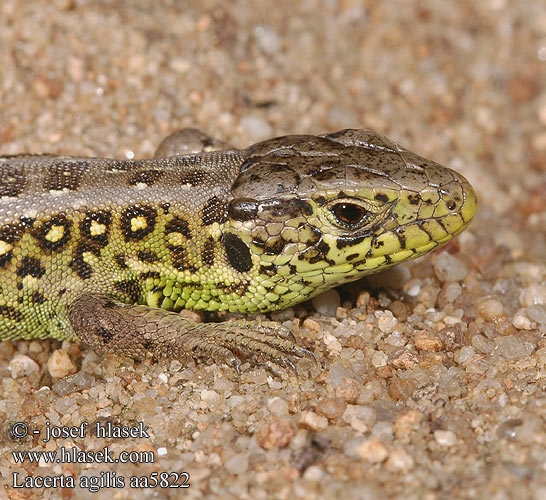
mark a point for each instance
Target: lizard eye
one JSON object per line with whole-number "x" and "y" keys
{"x": 349, "y": 214}
{"x": 353, "y": 214}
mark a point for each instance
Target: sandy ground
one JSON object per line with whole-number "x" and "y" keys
{"x": 431, "y": 378}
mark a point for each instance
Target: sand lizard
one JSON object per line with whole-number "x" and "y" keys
{"x": 108, "y": 251}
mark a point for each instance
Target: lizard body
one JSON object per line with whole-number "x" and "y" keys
{"x": 108, "y": 251}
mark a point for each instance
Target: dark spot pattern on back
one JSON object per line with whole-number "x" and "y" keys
{"x": 137, "y": 221}
{"x": 180, "y": 259}
{"x": 193, "y": 177}
{"x": 9, "y": 235}
{"x": 96, "y": 226}
{"x": 30, "y": 267}
{"x": 53, "y": 234}
{"x": 78, "y": 264}
{"x": 148, "y": 177}
{"x": 121, "y": 165}
{"x": 178, "y": 225}
{"x": 207, "y": 255}
{"x": 216, "y": 210}
{"x": 12, "y": 180}
{"x": 65, "y": 175}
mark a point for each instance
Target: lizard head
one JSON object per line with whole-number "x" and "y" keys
{"x": 316, "y": 212}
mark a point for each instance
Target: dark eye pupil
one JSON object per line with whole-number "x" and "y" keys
{"x": 348, "y": 213}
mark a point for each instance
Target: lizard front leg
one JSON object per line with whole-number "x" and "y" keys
{"x": 140, "y": 331}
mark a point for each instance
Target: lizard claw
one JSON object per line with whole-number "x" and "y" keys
{"x": 288, "y": 363}
{"x": 234, "y": 363}
{"x": 302, "y": 351}
{"x": 260, "y": 342}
